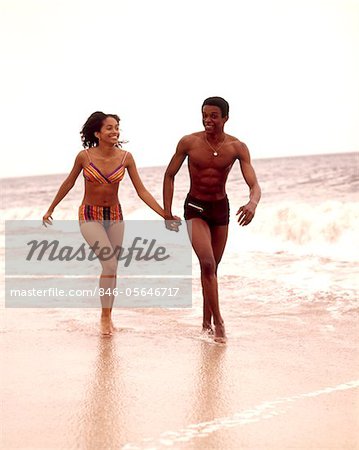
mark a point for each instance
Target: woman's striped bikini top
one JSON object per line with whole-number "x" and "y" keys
{"x": 94, "y": 175}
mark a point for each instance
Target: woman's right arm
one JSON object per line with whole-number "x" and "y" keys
{"x": 66, "y": 186}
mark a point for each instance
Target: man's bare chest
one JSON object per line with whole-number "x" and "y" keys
{"x": 202, "y": 158}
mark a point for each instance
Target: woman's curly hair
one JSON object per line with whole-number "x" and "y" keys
{"x": 93, "y": 125}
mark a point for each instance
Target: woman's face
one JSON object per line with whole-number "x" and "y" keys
{"x": 110, "y": 131}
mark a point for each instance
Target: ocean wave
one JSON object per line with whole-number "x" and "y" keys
{"x": 327, "y": 229}
{"x": 36, "y": 213}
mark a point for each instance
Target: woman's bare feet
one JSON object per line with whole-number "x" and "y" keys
{"x": 220, "y": 334}
{"x": 106, "y": 326}
{"x": 114, "y": 329}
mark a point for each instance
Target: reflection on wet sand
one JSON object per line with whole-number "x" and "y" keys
{"x": 102, "y": 419}
{"x": 210, "y": 399}
{"x": 208, "y": 393}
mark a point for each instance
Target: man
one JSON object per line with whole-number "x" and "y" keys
{"x": 211, "y": 154}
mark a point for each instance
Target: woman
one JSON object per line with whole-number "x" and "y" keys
{"x": 103, "y": 164}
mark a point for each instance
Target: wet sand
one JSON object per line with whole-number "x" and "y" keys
{"x": 158, "y": 384}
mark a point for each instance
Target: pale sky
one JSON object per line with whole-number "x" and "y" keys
{"x": 289, "y": 70}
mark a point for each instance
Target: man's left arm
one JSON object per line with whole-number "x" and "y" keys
{"x": 246, "y": 212}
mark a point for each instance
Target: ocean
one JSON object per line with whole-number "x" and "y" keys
{"x": 299, "y": 254}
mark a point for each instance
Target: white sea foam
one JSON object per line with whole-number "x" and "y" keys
{"x": 328, "y": 230}
{"x": 262, "y": 411}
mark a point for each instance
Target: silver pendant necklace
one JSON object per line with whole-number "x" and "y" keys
{"x": 215, "y": 151}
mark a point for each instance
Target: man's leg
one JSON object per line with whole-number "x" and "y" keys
{"x": 219, "y": 236}
{"x": 202, "y": 245}
{"x": 218, "y": 241}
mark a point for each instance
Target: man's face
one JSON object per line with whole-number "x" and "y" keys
{"x": 212, "y": 119}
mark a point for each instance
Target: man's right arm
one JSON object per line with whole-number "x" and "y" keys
{"x": 173, "y": 167}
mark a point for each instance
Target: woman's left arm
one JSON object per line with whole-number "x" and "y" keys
{"x": 142, "y": 192}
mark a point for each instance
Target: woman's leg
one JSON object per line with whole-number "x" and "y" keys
{"x": 115, "y": 234}
{"x": 95, "y": 233}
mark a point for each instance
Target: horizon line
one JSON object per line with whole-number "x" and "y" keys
{"x": 185, "y": 163}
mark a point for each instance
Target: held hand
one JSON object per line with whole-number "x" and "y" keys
{"x": 173, "y": 223}
{"x": 46, "y": 219}
{"x": 246, "y": 213}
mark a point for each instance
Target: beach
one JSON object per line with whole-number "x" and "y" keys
{"x": 287, "y": 377}
{"x": 273, "y": 386}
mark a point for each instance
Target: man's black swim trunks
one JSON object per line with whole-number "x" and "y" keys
{"x": 213, "y": 212}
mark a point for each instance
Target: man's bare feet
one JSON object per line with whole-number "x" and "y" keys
{"x": 207, "y": 329}
{"x": 106, "y": 326}
{"x": 220, "y": 334}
